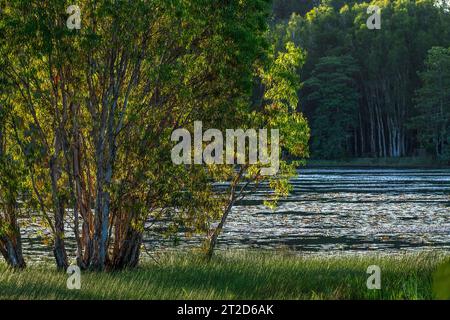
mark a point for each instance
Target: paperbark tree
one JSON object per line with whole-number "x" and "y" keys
{"x": 11, "y": 172}
{"x": 99, "y": 105}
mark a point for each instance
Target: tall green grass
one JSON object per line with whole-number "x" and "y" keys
{"x": 235, "y": 275}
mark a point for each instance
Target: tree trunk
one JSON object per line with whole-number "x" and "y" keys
{"x": 11, "y": 244}
{"x": 377, "y": 116}
{"x": 215, "y": 235}
{"x": 10, "y": 238}
{"x": 373, "y": 148}
{"x": 11, "y": 250}
{"x": 127, "y": 250}
{"x": 361, "y": 130}
{"x": 59, "y": 249}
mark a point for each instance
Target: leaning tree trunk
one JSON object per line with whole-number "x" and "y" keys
{"x": 11, "y": 250}
{"x": 234, "y": 195}
{"x": 215, "y": 234}
{"x": 11, "y": 246}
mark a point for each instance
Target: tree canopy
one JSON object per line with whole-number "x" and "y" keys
{"x": 388, "y": 61}
{"x": 93, "y": 109}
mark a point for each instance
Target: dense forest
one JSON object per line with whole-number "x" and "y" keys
{"x": 372, "y": 93}
{"x": 87, "y": 114}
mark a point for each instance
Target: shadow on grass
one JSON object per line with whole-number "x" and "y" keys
{"x": 233, "y": 277}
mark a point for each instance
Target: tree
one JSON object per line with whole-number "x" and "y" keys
{"x": 387, "y": 59}
{"x": 12, "y": 172}
{"x": 333, "y": 91}
{"x": 99, "y": 104}
{"x": 277, "y": 109}
{"x": 12, "y": 175}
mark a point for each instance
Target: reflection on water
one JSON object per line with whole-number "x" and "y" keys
{"x": 343, "y": 210}
{"x": 350, "y": 210}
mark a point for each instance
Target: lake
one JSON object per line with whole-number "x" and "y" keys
{"x": 337, "y": 210}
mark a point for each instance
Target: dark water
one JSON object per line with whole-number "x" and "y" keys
{"x": 340, "y": 210}
{"x": 350, "y": 210}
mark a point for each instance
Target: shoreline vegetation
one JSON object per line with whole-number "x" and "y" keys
{"x": 239, "y": 275}
{"x": 403, "y": 162}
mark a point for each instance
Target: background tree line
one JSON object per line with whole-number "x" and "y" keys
{"x": 372, "y": 93}
{"x": 86, "y": 118}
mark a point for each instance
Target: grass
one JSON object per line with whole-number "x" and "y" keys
{"x": 405, "y": 162}
{"x": 236, "y": 275}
